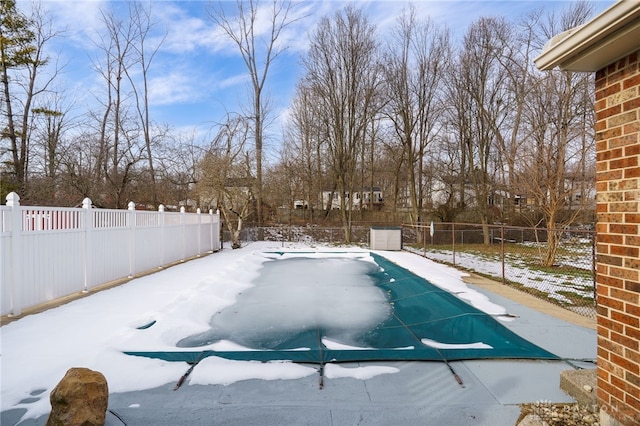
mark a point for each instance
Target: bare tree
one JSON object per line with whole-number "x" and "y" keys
{"x": 554, "y": 165}
{"x": 414, "y": 68}
{"x": 394, "y": 173}
{"x": 179, "y": 170}
{"x": 480, "y": 85}
{"x": 23, "y": 66}
{"x": 368, "y": 163}
{"x": 226, "y": 180}
{"x": 51, "y": 122}
{"x": 119, "y": 149}
{"x": 342, "y": 70}
{"x": 304, "y": 148}
{"x": 459, "y": 119}
{"x": 143, "y": 55}
{"x": 516, "y": 63}
{"x": 450, "y": 171}
{"x": 77, "y": 167}
{"x": 283, "y": 186}
{"x": 258, "y": 52}
{"x": 557, "y": 165}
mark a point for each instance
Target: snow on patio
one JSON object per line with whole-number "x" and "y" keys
{"x": 92, "y": 332}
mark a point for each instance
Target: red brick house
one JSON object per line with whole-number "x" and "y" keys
{"x": 609, "y": 45}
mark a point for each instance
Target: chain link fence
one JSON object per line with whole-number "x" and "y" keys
{"x": 304, "y": 234}
{"x": 516, "y": 256}
{"x": 524, "y": 258}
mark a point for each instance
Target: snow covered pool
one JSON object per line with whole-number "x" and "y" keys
{"x": 317, "y": 307}
{"x": 335, "y": 294}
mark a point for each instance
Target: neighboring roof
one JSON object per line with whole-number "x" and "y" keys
{"x": 612, "y": 35}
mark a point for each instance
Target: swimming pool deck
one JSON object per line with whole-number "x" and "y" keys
{"x": 420, "y": 393}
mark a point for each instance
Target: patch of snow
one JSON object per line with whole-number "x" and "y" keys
{"x": 336, "y": 346}
{"x": 334, "y": 371}
{"x": 220, "y": 371}
{"x": 440, "y": 345}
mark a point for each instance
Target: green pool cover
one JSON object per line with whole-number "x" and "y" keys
{"x": 420, "y": 310}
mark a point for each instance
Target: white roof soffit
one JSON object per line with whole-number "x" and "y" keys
{"x": 608, "y": 37}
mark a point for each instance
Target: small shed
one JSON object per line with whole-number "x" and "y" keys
{"x": 385, "y": 238}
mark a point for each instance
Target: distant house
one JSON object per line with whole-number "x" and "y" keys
{"x": 244, "y": 185}
{"x": 366, "y": 198}
{"x": 579, "y": 191}
{"x": 237, "y": 188}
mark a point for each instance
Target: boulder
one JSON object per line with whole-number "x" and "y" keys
{"x": 80, "y": 399}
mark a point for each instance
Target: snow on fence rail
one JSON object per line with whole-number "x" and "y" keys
{"x": 51, "y": 252}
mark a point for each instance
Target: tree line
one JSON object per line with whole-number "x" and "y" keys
{"x": 469, "y": 131}
{"x": 449, "y": 130}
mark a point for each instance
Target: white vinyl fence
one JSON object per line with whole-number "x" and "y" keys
{"x": 51, "y": 252}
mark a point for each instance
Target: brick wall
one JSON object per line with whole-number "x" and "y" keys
{"x": 618, "y": 213}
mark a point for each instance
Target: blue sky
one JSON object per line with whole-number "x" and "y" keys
{"x": 198, "y": 75}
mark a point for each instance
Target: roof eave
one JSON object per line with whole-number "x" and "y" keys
{"x": 608, "y": 37}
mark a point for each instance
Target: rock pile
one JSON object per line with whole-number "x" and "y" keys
{"x": 550, "y": 414}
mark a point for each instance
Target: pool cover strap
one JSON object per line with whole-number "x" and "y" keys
{"x": 422, "y": 313}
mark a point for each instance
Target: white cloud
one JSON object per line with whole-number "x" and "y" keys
{"x": 233, "y": 81}
{"x": 188, "y": 28}
{"x": 76, "y": 20}
{"x": 171, "y": 88}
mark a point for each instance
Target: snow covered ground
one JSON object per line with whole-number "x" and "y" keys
{"x": 37, "y": 350}
{"x": 554, "y": 284}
